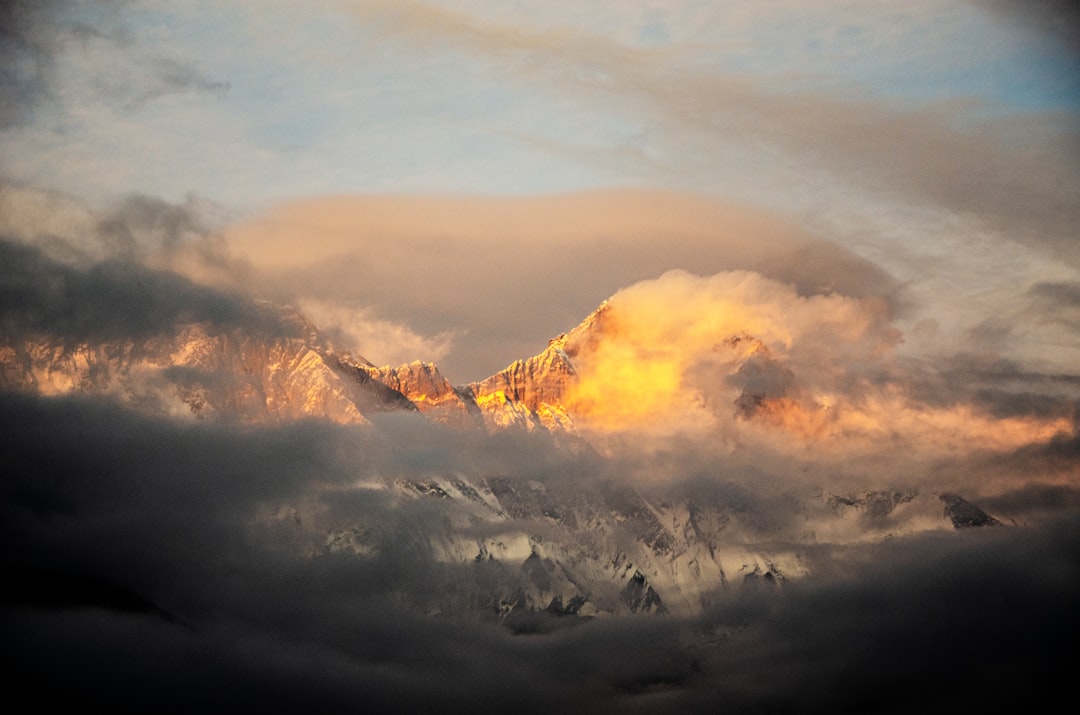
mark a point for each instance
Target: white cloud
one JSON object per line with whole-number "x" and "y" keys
{"x": 382, "y": 341}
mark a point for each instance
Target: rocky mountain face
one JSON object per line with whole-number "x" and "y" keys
{"x": 529, "y": 552}
{"x": 516, "y": 548}
{"x": 426, "y": 389}
{"x": 288, "y": 370}
{"x": 521, "y": 550}
{"x": 531, "y": 392}
{"x": 965, "y": 515}
{"x": 284, "y": 372}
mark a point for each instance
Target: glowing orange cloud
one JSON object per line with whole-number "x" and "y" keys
{"x": 511, "y": 272}
{"x": 627, "y": 385}
{"x": 659, "y": 334}
{"x": 743, "y": 358}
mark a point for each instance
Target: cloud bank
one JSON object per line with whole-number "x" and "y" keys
{"x": 506, "y": 275}
{"x": 686, "y": 353}
{"x": 179, "y": 566}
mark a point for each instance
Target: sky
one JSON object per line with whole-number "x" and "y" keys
{"x": 885, "y": 193}
{"x": 936, "y": 141}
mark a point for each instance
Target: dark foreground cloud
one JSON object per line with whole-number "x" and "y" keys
{"x": 931, "y": 624}
{"x": 118, "y": 298}
{"x": 179, "y": 236}
{"x": 154, "y": 565}
{"x": 150, "y": 229}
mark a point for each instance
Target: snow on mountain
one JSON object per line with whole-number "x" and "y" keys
{"x": 514, "y": 548}
{"x": 510, "y": 546}
{"x": 244, "y": 373}
{"x": 563, "y": 548}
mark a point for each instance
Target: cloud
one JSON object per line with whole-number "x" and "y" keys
{"x": 26, "y": 48}
{"x": 656, "y": 334}
{"x": 509, "y": 274}
{"x": 40, "y": 38}
{"x": 91, "y": 88}
{"x": 1001, "y": 387}
{"x": 1056, "y": 306}
{"x": 143, "y": 225}
{"x": 172, "y": 566}
{"x": 929, "y": 625}
{"x": 383, "y": 342}
{"x": 1057, "y": 19}
{"x": 1012, "y": 174}
{"x": 61, "y": 225}
{"x": 745, "y": 362}
{"x": 183, "y": 237}
{"x": 110, "y": 300}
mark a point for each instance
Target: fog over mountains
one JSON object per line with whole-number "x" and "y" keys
{"x": 712, "y": 492}
{"x": 470, "y": 356}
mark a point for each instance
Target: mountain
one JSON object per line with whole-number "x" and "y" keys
{"x": 279, "y": 368}
{"x": 531, "y": 392}
{"x": 527, "y": 549}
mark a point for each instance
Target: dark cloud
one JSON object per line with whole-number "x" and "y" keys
{"x": 1007, "y": 403}
{"x": 1058, "y": 19}
{"x": 182, "y": 237}
{"x": 149, "y": 528}
{"x": 34, "y": 36}
{"x": 929, "y": 623}
{"x": 1001, "y": 387}
{"x": 1056, "y": 304}
{"x": 25, "y": 57}
{"x": 1056, "y": 459}
{"x": 148, "y": 228}
{"x": 176, "y": 567}
{"x": 1038, "y": 500}
{"x": 1064, "y": 293}
{"x": 110, "y": 300}
{"x": 172, "y": 76}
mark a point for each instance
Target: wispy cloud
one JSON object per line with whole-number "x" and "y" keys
{"x": 1016, "y": 173}
{"x": 509, "y": 274}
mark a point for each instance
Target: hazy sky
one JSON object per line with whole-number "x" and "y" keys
{"x": 887, "y": 194}
{"x": 936, "y": 141}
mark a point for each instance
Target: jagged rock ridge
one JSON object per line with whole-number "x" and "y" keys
{"x": 281, "y": 369}
{"x": 567, "y": 551}
{"x": 965, "y": 515}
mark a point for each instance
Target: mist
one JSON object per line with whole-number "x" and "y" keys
{"x": 818, "y": 447}
{"x": 485, "y": 281}
{"x": 184, "y": 566}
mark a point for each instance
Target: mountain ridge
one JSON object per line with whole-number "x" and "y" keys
{"x": 561, "y": 549}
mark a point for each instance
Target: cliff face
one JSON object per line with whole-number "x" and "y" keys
{"x": 547, "y": 544}
{"x": 528, "y": 392}
{"x": 428, "y": 391}
{"x": 203, "y": 369}
{"x": 563, "y": 548}
{"x": 279, "y": 367}
{"x": 532, "y": 392}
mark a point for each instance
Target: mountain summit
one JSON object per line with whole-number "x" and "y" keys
{"x": 280, "y": 367}
{"x": 577, "y": 539}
